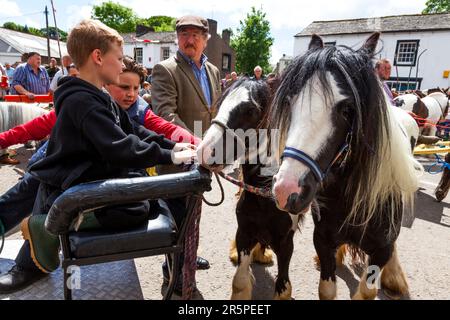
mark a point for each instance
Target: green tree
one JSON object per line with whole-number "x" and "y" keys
{"x": 12, "y": 26}
{"x": 116, "y": 16}
{"x": 25, "y": 29}
{"x": 252, "y": 43}
{"x": 437, "y": 6}
{"x": 53, "y": 33}
{"x": 159, "y": 23}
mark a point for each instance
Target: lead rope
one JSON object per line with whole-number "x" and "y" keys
{"x": 193, "y": 234}
{"x": 190, "y": 247}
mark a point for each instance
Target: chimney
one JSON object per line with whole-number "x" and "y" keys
{"x": 226, "y": 34}
{"x": 141, "y": 30}
{"x": 212, "y": 27}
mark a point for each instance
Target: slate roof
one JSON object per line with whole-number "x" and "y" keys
{"x": 162, "y": 37}
{"x": 402, "y": 23}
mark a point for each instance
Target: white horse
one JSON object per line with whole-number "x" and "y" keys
{"x": 16, "y": 113}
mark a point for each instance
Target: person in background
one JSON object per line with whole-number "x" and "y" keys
{"x": 146, "y": 89}
{"x": 9, "y": 72}
{"x": 258, "y": 73}
{"x": 31, "y": 78}
{"x": 52, "y": 69}
{"x": 232, "y": 80}
{"x": 383, "y": 71}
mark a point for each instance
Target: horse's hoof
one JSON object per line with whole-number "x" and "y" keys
{"x": 233, "y": 253}
{"x": 263, "y": 256}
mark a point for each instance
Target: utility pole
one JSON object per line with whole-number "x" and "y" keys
{"x": 48, "y": 34}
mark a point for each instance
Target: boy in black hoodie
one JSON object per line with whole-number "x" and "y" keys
{"x": 92, "y": 139}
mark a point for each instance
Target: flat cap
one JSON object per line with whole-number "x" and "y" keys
{"x": 192, "y": 21}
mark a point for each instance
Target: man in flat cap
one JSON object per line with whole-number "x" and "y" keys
{"x": 186, "y": 86}
{"x": 184, "y": 90}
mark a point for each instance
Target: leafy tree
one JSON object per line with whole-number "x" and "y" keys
{"x": 159, "y": 23}
{"x": 252, "y": 43}
{"x": 116, "y": 16}
{"x": 12, "y": 26}
{"x": 437, "y": 6}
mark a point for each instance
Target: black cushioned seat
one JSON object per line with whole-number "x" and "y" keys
{"x": 159, "y": 232}
{"x": 159, "y": 236}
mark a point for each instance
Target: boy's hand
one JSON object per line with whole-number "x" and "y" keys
{"x": 184, "y": 157}
{"x": 181, "y": 146}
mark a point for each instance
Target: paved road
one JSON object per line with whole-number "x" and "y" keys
{"x": 423, "y": 248}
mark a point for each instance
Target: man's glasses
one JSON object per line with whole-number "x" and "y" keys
{"x": 195, "y": 35}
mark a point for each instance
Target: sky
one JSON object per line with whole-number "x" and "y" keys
{"x": 286, "y": 17}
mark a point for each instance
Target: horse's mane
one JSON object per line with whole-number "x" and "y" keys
{"x": 380, "y": 170}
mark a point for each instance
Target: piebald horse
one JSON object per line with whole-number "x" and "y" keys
{"x": 260, "y": 223}
{"x": 347, "y": 157}
{"x": 433, "y": 108}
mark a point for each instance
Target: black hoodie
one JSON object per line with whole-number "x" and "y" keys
{"x": 95, "y": 139}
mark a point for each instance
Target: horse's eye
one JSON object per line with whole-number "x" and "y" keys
{"x": 344, "y": 109}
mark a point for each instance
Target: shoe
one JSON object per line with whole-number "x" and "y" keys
{"x": 202, "y": 264}
{"x": 18, "y": 278}
{"x": 44, "y": 246}
{"x": 6, "y": 159}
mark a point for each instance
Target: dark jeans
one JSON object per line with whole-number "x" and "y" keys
{"x": 17, "y": 203}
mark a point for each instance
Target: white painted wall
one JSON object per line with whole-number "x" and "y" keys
{"x": 431, "y": 65}
{"x": 150, "y": 50}
{"x": 9, "y": 57}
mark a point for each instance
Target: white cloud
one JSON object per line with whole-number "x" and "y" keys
{"x": 9, "y": 9}
{"x": 75, "y": 14}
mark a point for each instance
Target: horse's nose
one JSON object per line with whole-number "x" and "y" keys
{"x": 286, "y": 192}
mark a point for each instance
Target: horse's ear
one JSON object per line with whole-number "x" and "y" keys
{"x": 371, "y": 44}
{"x": 316, "y": 42}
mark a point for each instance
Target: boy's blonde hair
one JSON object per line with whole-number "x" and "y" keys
{"x": 89, "y": 35}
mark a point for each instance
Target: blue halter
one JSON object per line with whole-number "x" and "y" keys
{"x": 312, "y": 164}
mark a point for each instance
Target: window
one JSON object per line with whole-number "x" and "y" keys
{"x": 329, "y": 44}
{"x": 165, "y": 53}
{"x": 406, "y": 52}
{"x": 403, "y": 83}
{"x": 226, "y": 62}
{"x": 138, "y": 55}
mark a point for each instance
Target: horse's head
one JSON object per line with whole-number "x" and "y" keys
{"x": 243, "y": 106}
{"x": 329, "y": 101}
